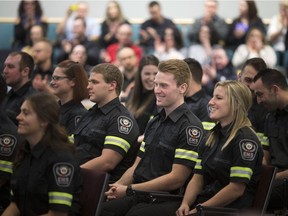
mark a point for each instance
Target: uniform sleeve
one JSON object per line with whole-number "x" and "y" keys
{"x": 63, "y": 180}
{"x": 8, "y": 143}
{"x": 190, "y": 137}
{"x": 246, "y": 156}
{"x": 122, "y": 133}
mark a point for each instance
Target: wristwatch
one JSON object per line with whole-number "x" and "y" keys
{"x": 129, "y": 191}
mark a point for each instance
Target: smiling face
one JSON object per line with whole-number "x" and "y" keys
{"x": 266, "y": 97}
{"x": 148, "y": 74}
{"x": 247, "y": 75}
{"x": 219, "y": 107}
{"x": 168, "y": 94}
{"x": 61, "y": 85}
{"x": 30, "y": 126}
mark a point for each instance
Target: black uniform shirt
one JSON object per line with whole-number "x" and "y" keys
{"x": 14, "y": 100}
{"x": 169, "y": 140}
{"x": 111, "y": 127}
{"x": 240, "y": 161}
{"x": 71, "y": 112}
{"x": 198, "y": 104}
{"x": 47, "y": 179}
{"x": 276, "y": 129}
{"x": 8, "y": 145}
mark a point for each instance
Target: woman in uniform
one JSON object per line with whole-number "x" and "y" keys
{"x": 228, "y": 166}
{"x": 46, "y": 178}
{"x": 69, "y": 83}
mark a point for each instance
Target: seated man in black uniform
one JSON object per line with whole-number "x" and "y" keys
{"x": 196, "y": 98}
{"x": 8, "y": 143}
{"x": 106, "y": 136}
{"x": 169, "y": 150}
{"x": 271, "y": 89}
{"x": 18, "y": 68}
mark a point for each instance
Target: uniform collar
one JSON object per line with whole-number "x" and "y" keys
{"x": 109, "y": 106}
{"x": 22, "y": 90}
{"x": 197, "y": 96}
{"x": 38, "y": 149}
{"x": 176, "y": 114}
{"x": 65, "y": 107}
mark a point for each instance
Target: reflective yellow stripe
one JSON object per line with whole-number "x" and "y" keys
{"x": 6, "y": 166}
{"x": 208, "y": 125}
{"x": 198, "y": 164}
{"x": 151, "y": 117}
{"x": 11, "y": 193}
{"x": 71, "y": 138}
{"x": 142, "y": 149}
{"x": 263, "y": 139}
{"x": 117, "y": 141}
{"x": 242, "y": 172}
{"x": 60, "y": 198}
{"x": 186, "y": 154}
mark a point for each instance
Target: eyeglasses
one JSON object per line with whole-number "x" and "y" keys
{"x": 56, "y": 78}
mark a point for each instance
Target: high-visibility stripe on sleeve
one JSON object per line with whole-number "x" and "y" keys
{"x": 263, "y": 139}
{"x": 60, "y": 198}
{"x": 6, "y": 166}
{"x": 71, "y": 138}
{"x": 241, "y": 172}
{"x": 117, "y": 141}
{"x": 142, "y": 147}
{"x": 198, "y": 164}
{"x": 208, "y": 125}
{"x": 186, "y": 154}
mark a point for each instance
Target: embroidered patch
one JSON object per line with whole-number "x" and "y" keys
{"x": 76, "y": 119}
{"x": 194, "y": 135}
{"x": 125, "y": 124}
{"x": 7, "y": 144}
{"x": 63, "y": 173}
{"x": 248, "y": 149}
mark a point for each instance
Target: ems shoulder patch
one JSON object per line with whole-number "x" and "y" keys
{"x": 248, "y": 149}
{"x": 7, "y": 144}
{"x": 125, "y": 124}
{"x": 194, "y": 135}
{"x": 76, "y": 119}
{"x": 63, "y": 173}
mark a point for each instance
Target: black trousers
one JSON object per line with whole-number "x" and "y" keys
{"x": 127, "y": 206}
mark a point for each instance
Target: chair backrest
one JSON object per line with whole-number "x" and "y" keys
{"x": 95, "y": 184}
{"x": 264, "y": 188}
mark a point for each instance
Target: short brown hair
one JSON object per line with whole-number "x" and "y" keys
{"x": 110, "y": 73}
{"x": 178, "y": 68}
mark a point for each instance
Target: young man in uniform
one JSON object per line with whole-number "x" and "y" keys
{"x": 18, "y": 68}
{"x": 271, "y": 90}
{"x": 169, "y": 150}
{"x": 8, "y": 143}
{"x": 196, "y": 98}
{"x": 257, "y": 113}
{"x": 106, "y": 136}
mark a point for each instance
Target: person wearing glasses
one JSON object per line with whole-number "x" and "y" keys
{"x": 69, "y": 82}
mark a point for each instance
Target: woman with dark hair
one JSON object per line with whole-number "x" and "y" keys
{"x": 46, "y": 177}
{"x": 29, "y": 14}
{"x": 255, "y": 46}
{"x": 69, "y": 83}
{"x": 170, "y": 45}
{"x": 142, "y": 102}
{"x": 248, "y": 18}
